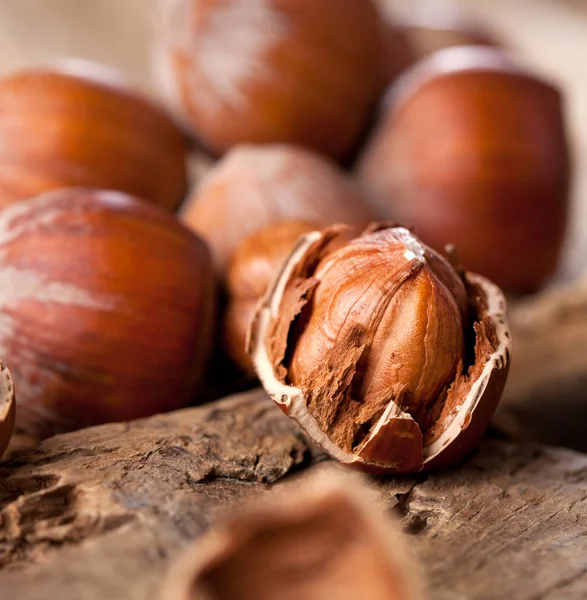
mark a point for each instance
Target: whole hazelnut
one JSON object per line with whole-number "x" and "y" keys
{"x": 250, "y": 271}
{"x": 472, "y": 150}
{"x": 388, "y": 357}
{"x": 78, "y": 124}
{"x": 256, "y": 186}
{"x": 266, "y": 71}
{"x": 106, "y": 308}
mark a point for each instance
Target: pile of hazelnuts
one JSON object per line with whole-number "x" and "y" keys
{"x": 120, "y": 278}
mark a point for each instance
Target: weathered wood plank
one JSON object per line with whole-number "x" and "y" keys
{"x": 101, "y": 512}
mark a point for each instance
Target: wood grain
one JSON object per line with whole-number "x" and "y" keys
{"x": 101, "y": 513}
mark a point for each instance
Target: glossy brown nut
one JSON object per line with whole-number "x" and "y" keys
{"x": 472, "y": 150}
{"x": 250, "y": 271}
{"x": 324, "y": 539}
{"x": 7, "y": 407}
{"x": 77, "y": 124}
{"x": 384, "y": 354}
{"x": 106, "y": 308}
{"x": 256, "y": 186}
{"x": 250, "y": 71}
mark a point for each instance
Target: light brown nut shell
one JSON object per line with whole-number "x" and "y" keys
{"x": 7, "y": 407}
{"x": 326, "y": 539}
{"x": 403, "y": 443}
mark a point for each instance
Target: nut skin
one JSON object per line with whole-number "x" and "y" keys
{"x": 270, "y": 71}
{"x": 107, "y": 308}
{"x": 393, "y": 404}
{"x": 257, "y": 186}
{"x": 250, "y": 271}
{"x": 471, "y": 150}
{"x": 77, "y": 124}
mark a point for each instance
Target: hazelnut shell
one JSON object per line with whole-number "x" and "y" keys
{"x": 256, "y": 186}
{"x": 78, "y": 124}
{"x": 326, "y": 538}
{"x": 261, "y": 72}
{"x": 471, "y": 149}
{"x": 7, "y": 407}
{"x": 250, "y": 271}
{"x": 107, "y": 308}
{"x": 400, "y": 449}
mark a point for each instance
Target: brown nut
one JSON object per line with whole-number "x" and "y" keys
{"x": 472, "y": 150}
{"x": 78, "y": 124}
{"x": 250, "y": 71}
{"x": 386, "y": 356}
{"x": 325, "y": 539}
{"x": 250, "y": 271}
{"x": 7, "y": 407}
{"x": 107, "y": 308}
{"x": 256, "y": 186}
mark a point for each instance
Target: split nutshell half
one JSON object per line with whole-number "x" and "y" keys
{"x": 390, "y": 357}
{"x": 7, "y": 407}
{"x": 324, "y": 538}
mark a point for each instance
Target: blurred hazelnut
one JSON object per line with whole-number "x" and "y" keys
{"x": 107, "y": 308}
{"x": 267, "y": 71}
{"x": 77, "y": 124}
{"x": 256, "y": 186}
{"x": 388, "y": 358}
{"x": 250, "y": 271}
{"x": 472, "y": 150}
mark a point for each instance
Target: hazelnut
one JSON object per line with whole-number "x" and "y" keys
{"x": 384, "y": 354}
{"x": 77, "y": 124}
{"x": 255, "y": 186}
{"x": 324, "y": 539}
{"x": 266, "y": 71}
{"x": 7, "y": 407}
{"x": 472, "y": 150}
{"x": 250, "y": 271}
{"x": 107, "y": 308}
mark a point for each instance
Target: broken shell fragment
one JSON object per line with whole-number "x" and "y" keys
{"x": 389, "y": 357}
{"x": 323, "y": 540}
{"x": 7, "y": 407}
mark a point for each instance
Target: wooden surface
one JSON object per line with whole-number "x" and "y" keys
{"x": 101, "y": 513}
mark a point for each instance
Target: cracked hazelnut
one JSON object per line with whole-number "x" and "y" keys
{"x": 7, "y": 407}
{"x": 107, "y": 306}
{"x": 250, "y": 271}
{"x": 256, "y": 186}
{"x": 325, "y": 539}
{"x": 267, "y": 71}
{"x": 388, "y": 357}
{"x": 472, "y": 150}
{"x": 77, "y": 124}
